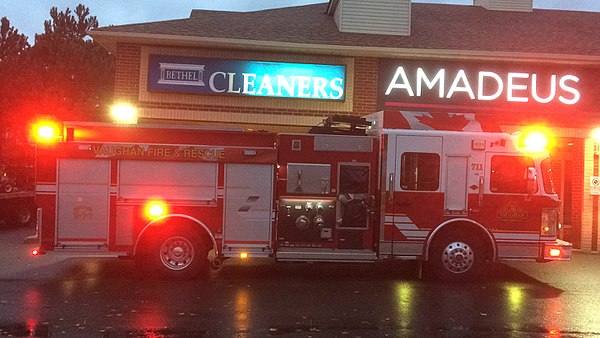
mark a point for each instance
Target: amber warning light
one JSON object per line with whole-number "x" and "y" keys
{"x": 554, "y": 252}
{"x": 124, "y": 113}
{"x": 536, "y": 139}
{"x": 557, "y": 252}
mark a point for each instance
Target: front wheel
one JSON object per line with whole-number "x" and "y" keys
{"x": 178, "y": 255}
{"x": 457, "y": 256}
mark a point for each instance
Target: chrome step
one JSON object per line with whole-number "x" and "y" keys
{"x": 286, "y": 254}
{"x": 81, "y": 247}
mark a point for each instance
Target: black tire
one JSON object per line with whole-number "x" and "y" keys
{"x": 178, "y": 255}
{"x": 23, "y": 215}
{"x": 456, "y": 257}
{"x": 8, "y": 188}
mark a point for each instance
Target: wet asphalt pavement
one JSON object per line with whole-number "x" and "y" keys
{"x": 92, "y": 297}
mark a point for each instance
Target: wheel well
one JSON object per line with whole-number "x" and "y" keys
{"x": 466, "y": 226}
{"x": 176, "y": 223}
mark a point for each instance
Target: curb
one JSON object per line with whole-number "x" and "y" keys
{"x": 30, "y": 240}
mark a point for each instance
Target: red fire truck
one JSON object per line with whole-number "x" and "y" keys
{"x": 181, "y": 199}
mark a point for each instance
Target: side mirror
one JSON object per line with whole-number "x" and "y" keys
{"x": 531, "y": 180}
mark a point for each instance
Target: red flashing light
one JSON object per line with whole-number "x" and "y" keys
{"x": 35, "y": 252}
{"x": 46, "y": 132}
{"x": 155, "y": 209}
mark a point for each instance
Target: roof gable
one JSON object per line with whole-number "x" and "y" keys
{"x": 434, "y": 27}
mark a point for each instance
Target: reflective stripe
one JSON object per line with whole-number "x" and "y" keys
{"x": 516, "y": 237}
{"x": 406, "y": 226}
{"x": 45, "y": 188}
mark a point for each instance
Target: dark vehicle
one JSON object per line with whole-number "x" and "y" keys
{"x": 17, "y": 201}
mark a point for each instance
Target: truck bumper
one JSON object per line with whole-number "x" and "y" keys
{"x": 558, "y": 250}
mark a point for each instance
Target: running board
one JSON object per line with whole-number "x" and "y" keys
{"x": 81, "y": 247}
{"x": 325, "y": 255}
{"x": 96, "y": 250}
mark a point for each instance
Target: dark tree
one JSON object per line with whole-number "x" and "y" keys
{"x": 13, "y": 47}
{"x": 12, "y": 44}
{"x": 65, "y": 74}
{"x": 73, "y": 76}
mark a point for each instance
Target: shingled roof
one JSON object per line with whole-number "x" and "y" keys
{"x": 442, "y": 30}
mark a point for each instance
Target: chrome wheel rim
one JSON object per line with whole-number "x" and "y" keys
{"x": 177, "y": 253}
{"x": 458, "y": 257}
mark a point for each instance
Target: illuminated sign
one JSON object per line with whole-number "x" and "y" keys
{"x": 489, "y": 86}
{"x": 249, "y": 78}
{"x": 507, "y": 85}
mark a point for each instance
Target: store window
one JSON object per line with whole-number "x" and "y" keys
{"x": 420, "y": 171}
{"x": 510, "y": 173}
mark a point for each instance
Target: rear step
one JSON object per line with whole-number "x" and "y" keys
{"x": 325, "y": 255}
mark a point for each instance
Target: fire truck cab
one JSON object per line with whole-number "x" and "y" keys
{"x": 453, "y": 197}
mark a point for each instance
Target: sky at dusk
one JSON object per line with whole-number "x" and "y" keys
{"x": 28, "y": 15}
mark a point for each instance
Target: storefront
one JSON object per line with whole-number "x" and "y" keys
{"x": 515, "y": 95}
{"x": 259, "y": 71}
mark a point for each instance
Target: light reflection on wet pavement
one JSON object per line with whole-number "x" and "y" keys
{"x": 107, "y": 298}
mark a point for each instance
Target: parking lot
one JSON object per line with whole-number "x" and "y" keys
{"x": 61, "y": 296}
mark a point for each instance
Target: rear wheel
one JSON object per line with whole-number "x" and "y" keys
{"x": 457, "y": 256}
{"x": 177, "y": 255}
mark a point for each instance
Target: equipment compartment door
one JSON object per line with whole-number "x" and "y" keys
{"x": 248, "y": 205}
{"x": 83, "y": 199}
{"x": 455, "y": 195}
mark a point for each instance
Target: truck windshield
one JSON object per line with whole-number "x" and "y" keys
{"x": 547, "y": 176}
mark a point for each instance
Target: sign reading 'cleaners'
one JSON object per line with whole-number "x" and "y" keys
{"x": 250, "y": 78}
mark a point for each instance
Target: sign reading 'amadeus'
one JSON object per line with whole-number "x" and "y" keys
{"x": 497, "y": 85}
{"x": 250, "y": 78}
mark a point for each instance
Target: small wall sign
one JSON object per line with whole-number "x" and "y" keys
{"x": 595, "y": 185}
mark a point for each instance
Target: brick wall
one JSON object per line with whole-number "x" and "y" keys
{"x": 577, "y": 172}
{"x": 586, "y": 210}
{"x": 127, "y": 73}
{"x": 365, "y": 85}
